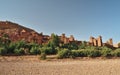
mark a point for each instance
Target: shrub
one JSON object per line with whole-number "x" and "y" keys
{"x": 48, "y": 50}
{"x": 116, "y": 53}
{"x": 106, "y": 53}
{"x": 91, "y": 48}
{"x": 83, "y": 45}
{"x": 20, "y": 44}
{"x": 75, "y": 53}
{"x": 34, "y": 50}
{"x": 65, "y": 53}
{"x": 11, "y": 48}
{"x": 79, "y": 53}
{"x": 19, "y": 51}
{"x": 43, "y": 56}
{"x": 93, "y": 53}
{"x": 85, "y": 53}
{"x": 104, "y": 48}
{"x": 3, "y": 51}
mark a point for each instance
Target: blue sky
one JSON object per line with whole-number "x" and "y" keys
{"x": 81, "y": 18}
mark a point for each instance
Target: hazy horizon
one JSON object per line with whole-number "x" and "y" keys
{"x": 80, "y": 18}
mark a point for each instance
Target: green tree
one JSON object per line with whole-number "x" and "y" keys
{"x": 11, "y": 48}
{"x": 116, "y": 52}
{"x": 20, "y": 44}
{"x": 4, "y": 40}
{"x": 105, "y": 51}
{"x": 54, "y": 41}
{"x": 83, "y": 45}
{"x": 48, "y": 50}
{"x": 3, "y": 51}
{"x": 19, "y": 51}
{"x": 65, "y": 53}
{"x": 35, "y": 50}
{"x": 70, "y": 46}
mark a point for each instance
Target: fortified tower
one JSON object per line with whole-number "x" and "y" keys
{"x": 99, "y": 41}
{"x": 96, "y": 41}
{"x": 110, "y": 41}
{"x": 71, "y": 38}
{"x": 92, "y": 41}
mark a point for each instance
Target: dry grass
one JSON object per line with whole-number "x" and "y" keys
{"x": 30, "y": 65}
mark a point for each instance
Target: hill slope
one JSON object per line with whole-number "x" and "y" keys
{"x": 11, "y": 25}
{"x": 17, "y": 32}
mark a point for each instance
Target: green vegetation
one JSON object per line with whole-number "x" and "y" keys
{"x": 43, "y": 56}
{"x": 19, "y": 51}
{"x": 3, "y": 51}
{"x": 55, "y": 47}
{"x": 65, "y": 53}
{"x": 86, "y": 53}
{"x": 116, "y": 53}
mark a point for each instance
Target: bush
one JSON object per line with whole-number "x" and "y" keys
{"x": 104, "y": 48}
{"x": 34, "y": 50}
{"x": 11, "y": 48}
{"x": 91, "y": 48}
{"x": 19, "y": 51}
{"x": 85, "y": 53}
{"x": 3, "y": 51}
{"x": 106, "y": 53}
{"x": 20, "y": 44}
{"x": 48, "y": 50}
{"x": 93, "y": 53}
{"x": 43, "y": 56}
{"x": 65, "y": 53}
{"x": 79, "y": 53}
{"x": 116, "y": 53}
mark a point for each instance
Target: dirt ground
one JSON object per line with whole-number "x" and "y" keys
{"x": 31, "y": 65}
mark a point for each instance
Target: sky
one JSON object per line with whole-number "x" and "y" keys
{"x": 80, "y": 18}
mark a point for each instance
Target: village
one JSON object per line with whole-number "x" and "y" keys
{"x": 17, "y": 34}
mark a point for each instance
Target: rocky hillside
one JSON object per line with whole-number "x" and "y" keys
{"x": 17, "y": 32}
{"x": 11, "y": 25}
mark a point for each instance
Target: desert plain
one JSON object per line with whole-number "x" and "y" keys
{"x": 31, "y": 65}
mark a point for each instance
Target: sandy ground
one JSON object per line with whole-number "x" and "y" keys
{"x": 31, "y": 65}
